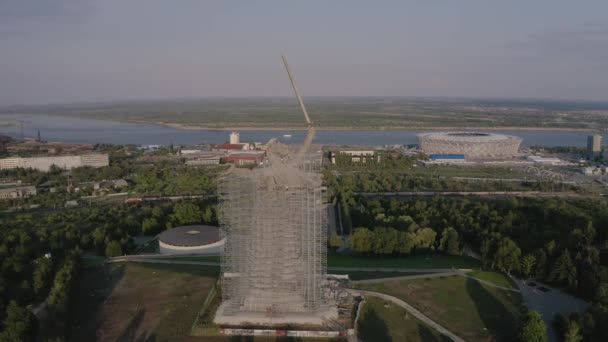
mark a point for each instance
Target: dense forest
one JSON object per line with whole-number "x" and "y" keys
{"x": 40, "y": 255}
{"x": 557, "y": 241}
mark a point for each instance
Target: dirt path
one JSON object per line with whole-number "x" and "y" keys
{"x": 441, "y": 329}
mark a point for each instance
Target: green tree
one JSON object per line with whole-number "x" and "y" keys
{"x": 406, "y": 241}
{"x": 425, "y": 238}
{"x": 527, "y": 265}
{"x": 19, "y": 324}
{"x": 335, "y": 241}
{"x": 187, "y": 213}
{"x": 564, "y": 270}
{"x": 149, "y": 225}
{"x": 385, "y": 240}
{"x": 361, "y": 240}
{"x": 573, "y": 332}
{"x": 450, "y": 242}
{"x": 532, "y": 328}
{"x": 113, "y": 249}
{"x": 43, "y": 270}
{"x": 506, "y": 257}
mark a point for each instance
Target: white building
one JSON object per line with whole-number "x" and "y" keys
{"x": 547, "y": 160}
{"x": 235, "y": 138}
{"x": 356, "y": 156}
{"x": 63, "y": 162}
{"x": 17, "y": 192}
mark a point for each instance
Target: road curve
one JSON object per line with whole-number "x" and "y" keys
{"x": 441, "y": 329}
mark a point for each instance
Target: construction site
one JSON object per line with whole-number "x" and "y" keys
{"x": 274, "y": 262}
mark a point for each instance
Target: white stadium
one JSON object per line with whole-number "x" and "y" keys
{"x": 469, "y": 144}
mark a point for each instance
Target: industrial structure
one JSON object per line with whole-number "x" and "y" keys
{"x": 594, "y": 146}
{"x": 275, "y": 257}
{"x": 469, "y": 144}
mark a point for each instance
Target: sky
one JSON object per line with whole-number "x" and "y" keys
{"x": 58, "y": 51}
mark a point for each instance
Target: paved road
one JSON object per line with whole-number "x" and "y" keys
{"x": 157, "y": 261}
{"x": 441, "y": 329}
{"x": 468, "y": 193}
{"x": 550, "y": 303}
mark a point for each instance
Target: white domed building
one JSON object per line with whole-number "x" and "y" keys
{"x": 195, "y": 239}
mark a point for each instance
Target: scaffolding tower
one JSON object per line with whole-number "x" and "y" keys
{"x": 275, "y": 257}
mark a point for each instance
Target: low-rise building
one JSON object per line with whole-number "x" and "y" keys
{"x": 447, "y": 158}
{"x": 63, "y": 162}
{"x": 119, "y": 183}
{"x": 355, "y": 155}
{"x": 243, "y": 159}
{"x": 592, "y": 171}
{"x": 545, "y": 160}
{"x": 204, "y": 160}
{"x": 17, "y": 192}
{"x": 231, "y": 147}
{"x": 190, "y": 151}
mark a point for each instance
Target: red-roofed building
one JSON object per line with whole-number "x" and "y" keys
{"x": 244, "y": 159}
{"x": 231, "y": 147}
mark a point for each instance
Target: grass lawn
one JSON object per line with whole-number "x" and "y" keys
{"x": 494, "y": 278}
{"x": 469, "y": 171}
{"x": 471, "y": 310}
{"x": 413, "y": 261}
{"x": 343, "y": 260}
{"x": 128, "y": 302}
{"x": 378, "y": 323}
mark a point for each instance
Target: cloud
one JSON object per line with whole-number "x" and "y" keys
{"x": 21, "y": 13}
{"x": 12, "y": 33}
{"x": 36, "y": 9}
{"x": 19, "y": 18}
{"x": 587, "y": 42}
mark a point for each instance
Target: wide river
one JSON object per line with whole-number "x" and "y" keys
{"x": 75, "y": 130}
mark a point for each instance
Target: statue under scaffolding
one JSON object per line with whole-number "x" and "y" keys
{"x": 274, "y": 219}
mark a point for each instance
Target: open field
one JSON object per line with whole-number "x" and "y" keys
{"x": 469, "y": 309}
{"x": 139, "y": 301}
{"x": 495, "y": 278}
{"x": 339, "y": 112}
{"x": 380, "y": 323}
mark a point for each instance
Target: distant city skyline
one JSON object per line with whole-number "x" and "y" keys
{"x": 78, "y": 51}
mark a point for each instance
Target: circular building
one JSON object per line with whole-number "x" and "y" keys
{"x": 470, "y": 144}
{"x": 196, "y": 239}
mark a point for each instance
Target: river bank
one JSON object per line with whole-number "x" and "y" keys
{"x": 363, "y": 128}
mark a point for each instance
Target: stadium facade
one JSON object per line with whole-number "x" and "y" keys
{"x": 470, "y": 144}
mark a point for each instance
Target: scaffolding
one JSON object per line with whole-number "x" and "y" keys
{"x": 274, "y": 219}
{"x": 275, "y": 257}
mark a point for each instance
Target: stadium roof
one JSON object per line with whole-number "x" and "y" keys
{"x": 195, "y": 235}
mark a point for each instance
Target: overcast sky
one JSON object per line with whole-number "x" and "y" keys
{"x": 85, "y": 50}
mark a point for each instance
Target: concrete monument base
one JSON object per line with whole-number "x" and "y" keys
{"x": 278, "y": 319}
